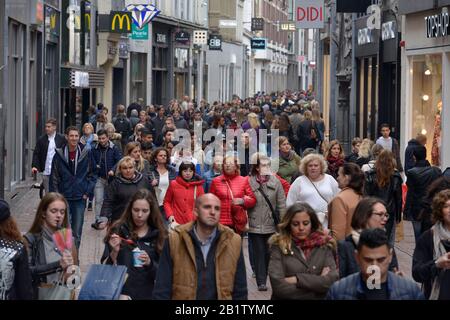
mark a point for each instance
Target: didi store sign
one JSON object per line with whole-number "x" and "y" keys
{"x": 139, "y": 34}
{"x": 309, "y": 14}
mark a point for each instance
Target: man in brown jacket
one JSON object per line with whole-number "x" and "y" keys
{"x": 202, "y": 260}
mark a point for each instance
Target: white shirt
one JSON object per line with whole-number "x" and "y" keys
{"x": 385, "y": 143}
{"x": 303, "y": 191}
{"x": 50, "y": 154}
{"x": 162, "y": 187}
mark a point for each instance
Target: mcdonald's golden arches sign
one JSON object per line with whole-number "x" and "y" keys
{"x": 121, "y": 22}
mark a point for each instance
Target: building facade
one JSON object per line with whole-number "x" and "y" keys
{"x": 29, "y": 68}
{"x": 425, "y": 104}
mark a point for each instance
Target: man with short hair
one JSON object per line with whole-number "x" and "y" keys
{"x": 420, "y": 140}
{"x": 374, "y": 281}
{"x": 352, "y": 157}
{"x": 202, "y": 260}
{"x": 45, "y": 150}
{"x": 122, "y": 125}
{"x": 389, "y": 143}
{"x": 106, "y": 156}
{"x": 147, "y": 150}
{"x": 158, "y": 123}
{"x": 74, "y": 176}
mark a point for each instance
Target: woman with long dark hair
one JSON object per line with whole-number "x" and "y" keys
{"x": 385, "y": 182}
{"x": 335, "y": 157}
{"x": 341, "y": 208}
{"x": 140, "y": 227}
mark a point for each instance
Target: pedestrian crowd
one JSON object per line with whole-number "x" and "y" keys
{"x": 320, "y": 224}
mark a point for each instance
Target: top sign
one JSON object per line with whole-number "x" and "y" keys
{"x": 438, "y": 25}
{"x": 309, "y": 14}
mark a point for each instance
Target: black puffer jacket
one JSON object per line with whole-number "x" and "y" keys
{"x": 120, "y": 191}
{"x": 14, "y": 271}
{"x": 419, "y": 179}
{"x": 391, "y": 194}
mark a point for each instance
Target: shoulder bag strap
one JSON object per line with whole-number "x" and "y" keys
{"x": 268, "y": 201}
{"x": 229, "y": 188}
{"x": 318, "y": 191}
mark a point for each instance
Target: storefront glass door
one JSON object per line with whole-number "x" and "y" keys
{"x": 427, "y": 102}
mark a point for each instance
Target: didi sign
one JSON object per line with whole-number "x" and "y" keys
{"x": 309, "y": 14}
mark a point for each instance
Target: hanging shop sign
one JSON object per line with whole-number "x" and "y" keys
{"x": 142, "y": 14}
{"x": 388, "y": 31}
{"x": 286, "y": 26}
{"x": 161, "y": 38}
{"x": 200, "y": 37}
{"x": 124, "y": 48}
{"x": 120, "y": 22}
{"x": 258, "y": 43}
{"x": 139, "y": 34}
{"x": 309, "y": 14}
{"x": 182, "y": 36}
{"x": 257, "y": 24}
{"x": 80, "y": 79}
{"x": 215, "y": 42}
{"x": 438, "y": 25}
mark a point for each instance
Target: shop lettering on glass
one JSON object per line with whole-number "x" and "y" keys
{"x": 388, "y": 31}
{"x": 161, "y": 38}
{"x": 365, "y": 36}
{"x": 438, "y": 25}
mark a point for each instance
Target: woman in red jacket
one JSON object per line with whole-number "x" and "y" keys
{"x": 180, "y": 197}
{"x": 234, "y": 192}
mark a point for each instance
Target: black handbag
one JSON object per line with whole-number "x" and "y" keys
{"x": 275, "y": 214}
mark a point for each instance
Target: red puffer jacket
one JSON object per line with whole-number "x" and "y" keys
{"x": 179, "y": 199}
{"x": 241, "y": 189}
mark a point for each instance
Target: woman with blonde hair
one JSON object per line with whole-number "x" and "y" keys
{"x": 314, "y": 187}
{"x": 302, "y": 264}
{"x": 385, "y": 182}
{"x": 374, "y": 153}
{"x": 364, "y": 152}
{"x": 252, "y": 122}
{"x": 126, "y": 182}
{"x": 133, "y": 149}
{"x": 89, "y": 138}
{"x": 114, "y": 137}
{"x": 335, "y": 157}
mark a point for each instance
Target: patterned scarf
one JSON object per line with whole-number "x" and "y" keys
{"x": 315, "y": 240}
{"x": 440, "y": 233}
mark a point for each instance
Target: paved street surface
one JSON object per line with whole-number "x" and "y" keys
{"x": 92, "y": 245}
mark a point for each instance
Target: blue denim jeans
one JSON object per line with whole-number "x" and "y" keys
{"x": 76, "y": 216}
{"x": 99, "y": 194}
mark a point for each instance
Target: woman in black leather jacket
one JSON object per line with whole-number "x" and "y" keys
{"x": 45, "y": 260}
{"x": 141, "y": 227}
{"x": 385, "y": 182}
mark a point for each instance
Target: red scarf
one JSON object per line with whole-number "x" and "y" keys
{"x": 262, "y": 179}
{"x": 315, "y": 240}
{"x": 334, "y": 163}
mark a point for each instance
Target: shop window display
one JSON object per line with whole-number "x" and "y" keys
{"x": 427, "y": 102}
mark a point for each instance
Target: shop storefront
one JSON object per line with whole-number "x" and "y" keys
{"x": 426, "y": 70}
{"x": 161, "y": 66}
{"x": 367, "y": 61}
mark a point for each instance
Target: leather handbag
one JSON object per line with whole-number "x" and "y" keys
{"x": 238, "y": 215}
{"x": 103, "y": 282}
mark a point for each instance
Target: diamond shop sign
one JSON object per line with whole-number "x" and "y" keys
{"x": 438, "y": 25}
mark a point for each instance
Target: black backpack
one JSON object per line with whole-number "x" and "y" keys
{"x": 123, "y": 126}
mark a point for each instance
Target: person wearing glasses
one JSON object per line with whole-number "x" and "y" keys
{"x": 370, "y": 213}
